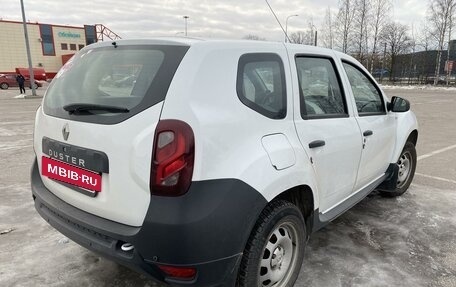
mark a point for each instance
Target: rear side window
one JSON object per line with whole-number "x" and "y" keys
{"x": 261, "y": 84}
{"x": 127, "y": 77}
{"x": 320, "y": 89}
{"x": 367, "y": 96}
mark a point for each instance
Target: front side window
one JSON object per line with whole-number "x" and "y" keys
{"x": 367, "y": 96}
{"x": 320, "y": 91}
{"x": 261, "y": 84}
{"x": 130, "y": 78}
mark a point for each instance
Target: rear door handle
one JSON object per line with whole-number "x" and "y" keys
{"x": 318, "y": 143}
{"x": 368, "y": 133}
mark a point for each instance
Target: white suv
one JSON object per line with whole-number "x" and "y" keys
{"x": 210, "y": 163}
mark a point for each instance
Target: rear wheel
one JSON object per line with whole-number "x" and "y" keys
{"x": 275, "y": 250}
{"x": 4, "y": 86}
{"x": 407, "y": 165}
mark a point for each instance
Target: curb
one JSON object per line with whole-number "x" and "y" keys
{"x": 33, "y": 97}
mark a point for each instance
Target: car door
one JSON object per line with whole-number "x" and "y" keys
{"x": 329, "y": 135}
{"x": 375, "y": 124}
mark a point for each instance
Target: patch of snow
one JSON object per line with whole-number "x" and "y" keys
{"x": 418, "y": 87}
{"x": 6, "y": 231}
{"x": 64, "y": 240}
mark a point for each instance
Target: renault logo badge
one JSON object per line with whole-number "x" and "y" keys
{"x": 66, "y": 131}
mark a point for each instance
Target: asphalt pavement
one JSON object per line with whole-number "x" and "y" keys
{"x": 404, "y": 241}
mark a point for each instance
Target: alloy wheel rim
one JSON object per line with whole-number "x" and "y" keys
{"x": 279, "y": 256}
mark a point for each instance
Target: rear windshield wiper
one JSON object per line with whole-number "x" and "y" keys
{"x": 87, "y": 108}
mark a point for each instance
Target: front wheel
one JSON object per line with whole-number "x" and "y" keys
{"x": 4, "y": 86}
{"x": 275, "y": 250}
{"x": 407, "y": 166}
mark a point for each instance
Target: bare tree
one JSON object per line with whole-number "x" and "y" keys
{"x": 361, "y": 18}
{"x": 344, "y": 23}
{"x": 412, "y": 59}
{"x": 441, "y": 18}
{"x": 327, "y": 30}
{"x": 381, "y": 10}
{"x": 253, "y": 37}
{"x": 301, "y": 37}
{"x": 395, "y": 35}
{"x": 426, "y": 40}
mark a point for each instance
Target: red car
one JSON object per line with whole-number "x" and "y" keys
{"x": 39, "y": 73}
{"x": 9, "y": 80}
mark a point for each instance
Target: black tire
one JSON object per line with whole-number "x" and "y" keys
{"x": 280, "y": 227}
{"x": 407, "y": 165}
{"x": 4, "y": 86}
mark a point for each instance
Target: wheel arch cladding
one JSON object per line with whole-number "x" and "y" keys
{"x": 303, "y": 197}
{"x": 413, "y": 137}
{"x": 214, "y": 221}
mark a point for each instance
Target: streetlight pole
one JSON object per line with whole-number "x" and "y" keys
{"x": 186, "y": 18}
{"x": 27, "y": 46}
{"x": 314, "y": 35}
{"x": 286, "y": 26}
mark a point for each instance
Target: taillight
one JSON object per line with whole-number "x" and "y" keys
{"x": 182, "y": 273}
{"x": 172, "y": 158}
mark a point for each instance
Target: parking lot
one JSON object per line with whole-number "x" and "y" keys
{"x": 406, "y": 241}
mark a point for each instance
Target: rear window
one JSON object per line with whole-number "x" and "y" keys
{"x": 132, "y": 78}
{"x": 261, "y": 84}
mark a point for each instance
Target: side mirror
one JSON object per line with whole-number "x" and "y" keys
{"x": 399, "y": 105}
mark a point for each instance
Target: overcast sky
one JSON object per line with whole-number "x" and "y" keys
{"x": 216, "y": 19}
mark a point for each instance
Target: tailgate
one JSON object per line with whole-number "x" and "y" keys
{"x": 94, "y": 133}
{"x": 124, "y": 194}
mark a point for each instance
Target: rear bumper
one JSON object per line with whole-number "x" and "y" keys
{"x": 206, "y": 229}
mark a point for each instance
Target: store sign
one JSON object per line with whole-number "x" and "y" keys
{"x": 68, "y": 35}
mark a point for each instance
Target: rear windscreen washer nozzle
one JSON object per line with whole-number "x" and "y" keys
{"x": 127, "y": 247}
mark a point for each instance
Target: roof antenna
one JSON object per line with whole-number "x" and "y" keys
{"x": 114, "y": 44}
{"x": 278, "y": 21}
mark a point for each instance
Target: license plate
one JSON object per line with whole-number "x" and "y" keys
{"x": 70, "y": 174}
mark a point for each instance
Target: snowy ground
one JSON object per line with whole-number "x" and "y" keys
{"x": 419, "y": 87}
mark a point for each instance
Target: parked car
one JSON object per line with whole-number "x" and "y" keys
{"x": 380, "y": 73}
{"x": 39, "y": 74}
{"x": 431, "y": 79}
{"x": 9, "y": 80}
{"x": 219, "y": 161}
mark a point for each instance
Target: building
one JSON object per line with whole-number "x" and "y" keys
{"x": 50, "y": 45}
{"x": 421, "y": 65}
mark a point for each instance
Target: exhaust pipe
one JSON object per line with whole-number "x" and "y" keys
{"x": 127, "y": 247}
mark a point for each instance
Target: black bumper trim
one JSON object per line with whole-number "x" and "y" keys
{"x": 207, "y": 228}
{"x": 76, "y": 215}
